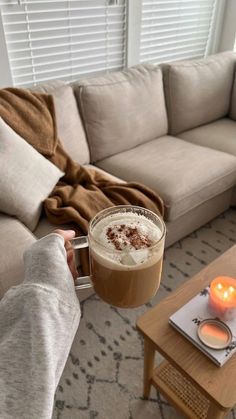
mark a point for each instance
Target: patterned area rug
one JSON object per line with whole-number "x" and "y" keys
{"x": 103, "y": 375}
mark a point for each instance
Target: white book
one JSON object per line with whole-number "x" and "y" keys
{"x": 187, "y": 319}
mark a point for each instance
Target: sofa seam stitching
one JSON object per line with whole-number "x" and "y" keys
{"x": 232, "y": 93}
{"x": 117, "y": 82}
{"x": 195, "y": 64}
{"x": 169, "y": 97}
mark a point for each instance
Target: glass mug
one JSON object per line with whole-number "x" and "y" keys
{"x": 125, "y": 277}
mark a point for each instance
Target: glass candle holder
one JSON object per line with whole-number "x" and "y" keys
{"x": 222, "y": 298}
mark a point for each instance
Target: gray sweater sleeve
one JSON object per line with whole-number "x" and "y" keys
{"x": 38, "y": 321}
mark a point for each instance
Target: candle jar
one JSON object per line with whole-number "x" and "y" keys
{"x": 222, "y": 298}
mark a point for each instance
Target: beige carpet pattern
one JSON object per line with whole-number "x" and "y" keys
{"x": 103, "y": 375}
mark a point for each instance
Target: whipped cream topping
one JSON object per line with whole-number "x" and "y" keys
{"x": 128, "y": 239}
{"x": 126, "y": 232}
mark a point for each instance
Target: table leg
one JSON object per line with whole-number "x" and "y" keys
{"x": 149, "y": 357}
{"x": 215, "y": 413}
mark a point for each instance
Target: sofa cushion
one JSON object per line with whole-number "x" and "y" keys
{"x": 15, "y": 238}
{"x": 184, "y": 174}
{"x": 198, "y": 91}
{"x": 26, "y": 177}
{"x": 219, "y": 135}
{"x": 232, "y": 113}
{"x": 69, "y": 124}
{"x": 122, "y": 110}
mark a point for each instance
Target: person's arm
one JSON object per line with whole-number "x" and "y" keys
{"x": 38, "y": 321}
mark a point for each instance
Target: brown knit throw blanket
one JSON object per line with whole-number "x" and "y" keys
{"x": 82, "y": 192}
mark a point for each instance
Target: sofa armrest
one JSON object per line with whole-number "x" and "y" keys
{"x": 14, "y": 240}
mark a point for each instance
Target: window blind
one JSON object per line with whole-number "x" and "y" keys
{"x": 59, "y": 39}
{"x": 175, "y": 30}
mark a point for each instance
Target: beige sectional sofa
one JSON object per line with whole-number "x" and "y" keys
{"x": 171, "y": 127}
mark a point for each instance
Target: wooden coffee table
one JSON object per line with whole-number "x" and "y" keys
{"x": 187, "y": 378}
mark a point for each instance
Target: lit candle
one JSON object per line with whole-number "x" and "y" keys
{"x": 222, "y": 298}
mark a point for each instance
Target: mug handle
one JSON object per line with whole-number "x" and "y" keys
{"x": 82, "y": 282}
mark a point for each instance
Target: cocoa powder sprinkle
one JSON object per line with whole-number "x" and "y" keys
{"x": 123, "y": 235}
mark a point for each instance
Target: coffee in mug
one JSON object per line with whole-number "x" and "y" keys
{"x": 126, "y": 246}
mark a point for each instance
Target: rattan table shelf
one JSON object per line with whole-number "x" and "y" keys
{"x": 180, "y": 391}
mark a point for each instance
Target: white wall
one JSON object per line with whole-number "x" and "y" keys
{"x": 228, "y": 34}
{"x": 5, "y": 72}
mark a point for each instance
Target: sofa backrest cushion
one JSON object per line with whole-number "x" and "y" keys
{"x": 232, "y": 113}
{"x": 122, "y": 110}
{"x": 198, "y": 91}
{"x": 69, "y": 124}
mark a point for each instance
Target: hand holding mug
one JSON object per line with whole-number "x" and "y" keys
{"x": 69, "y": 235}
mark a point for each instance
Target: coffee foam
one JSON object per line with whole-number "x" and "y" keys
{"x": 133, "y": 255}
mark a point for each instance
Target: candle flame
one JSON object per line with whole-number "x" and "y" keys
{"x": 225, "y": 295}
{"x": 219, "y": 286}
{"x": 231, "y": 289}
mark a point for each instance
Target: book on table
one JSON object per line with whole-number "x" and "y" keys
{"x": 187, "y": 319}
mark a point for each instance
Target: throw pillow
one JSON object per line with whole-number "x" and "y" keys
{"x": 26, "y": 177}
